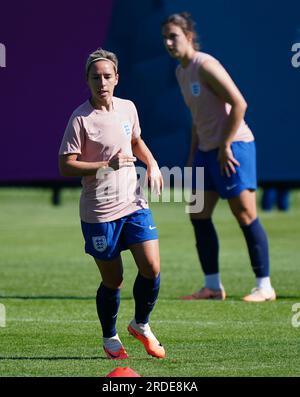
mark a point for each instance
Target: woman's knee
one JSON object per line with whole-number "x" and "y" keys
{"x": 200, "y": 216}
{"x": 244, "y": 216}
{"x": 113, "y": 283}
{"x": 243, "y": 207}
{"x": 152, "y": 269}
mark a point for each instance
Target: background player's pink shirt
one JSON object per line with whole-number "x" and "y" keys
{"x": 96, "y": 135}
{"x": 208, "y": 111}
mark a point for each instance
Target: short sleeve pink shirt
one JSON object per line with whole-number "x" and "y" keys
{"x": 209, "y": 112}
{"x": 96, "y": 135}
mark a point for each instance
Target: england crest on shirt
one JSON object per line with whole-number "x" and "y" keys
{"x": 99, "y": 243}
{"x": 126, "y": 128}
{"x": 195, "y": 88}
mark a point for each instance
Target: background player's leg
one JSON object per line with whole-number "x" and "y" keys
{"x": 244, "y": 209}
{"x": 207, "y": 245}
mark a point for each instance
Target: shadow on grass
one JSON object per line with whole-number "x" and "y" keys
{"x": 53, "y": 297}
{"x": 53, "y": 358}
{"x": 16, "y": 358}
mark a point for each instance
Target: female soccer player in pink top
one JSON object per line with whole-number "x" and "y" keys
{"x": 224, "y": 145}
{"x": 100, "y": 143}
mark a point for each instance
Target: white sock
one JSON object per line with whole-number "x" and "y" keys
{"x": 264, "y": 283}
{"x": 113, "y": 344}
{"x": 213, "y": 281}
{"x": 143, "y": 329}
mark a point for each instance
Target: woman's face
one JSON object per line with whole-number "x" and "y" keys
{"x": 102, "y": 79}
{"x": 175, "y": 40}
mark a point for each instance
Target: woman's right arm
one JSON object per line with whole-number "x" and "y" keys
{"x": 70, "y": 166}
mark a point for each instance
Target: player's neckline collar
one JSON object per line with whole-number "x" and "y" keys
{"x": 99, "y": 111}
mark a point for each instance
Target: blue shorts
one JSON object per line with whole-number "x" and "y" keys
{"x": 106, "y": 240}
{"x": 228, "y": 187}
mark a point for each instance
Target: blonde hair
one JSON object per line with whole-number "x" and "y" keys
{"x": 99, "y": 55}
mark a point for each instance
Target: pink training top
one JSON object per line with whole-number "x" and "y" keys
{"x": 96, "y": 135}
{"x": 209, "y": 112}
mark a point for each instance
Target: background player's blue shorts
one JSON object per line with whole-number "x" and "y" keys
{"x": 228, "y": 187}
{"x": 106, "y": 240}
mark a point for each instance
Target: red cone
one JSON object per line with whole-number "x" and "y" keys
{"x": 125, "y": 372}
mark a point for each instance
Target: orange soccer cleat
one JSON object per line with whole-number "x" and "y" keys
{"x": 206, "y": 293}
{"x": 114, "y": 349}
{"x": 260, "y": 295}
{"x": 143, "y": 333}
{"x": 116, "y": 355}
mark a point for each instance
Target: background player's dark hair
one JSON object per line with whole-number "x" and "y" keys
{"x": 186, "y": 23}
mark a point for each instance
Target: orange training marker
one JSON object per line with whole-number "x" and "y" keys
{"x": 125, "y": 372}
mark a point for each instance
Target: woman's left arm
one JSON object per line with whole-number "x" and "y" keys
{"x": 141, "y": 151}
{"x": 216, "y": 77}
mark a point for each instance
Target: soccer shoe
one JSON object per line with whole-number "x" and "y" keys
{"x": 117, "y": 355}
{"x": 260, "y": 295}
{"x": 114, "y": 349}
{"x": 145, "y": 335}
{"x": 206, "y": 293}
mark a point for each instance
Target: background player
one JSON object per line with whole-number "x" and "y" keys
{"x": 223, "y": 144}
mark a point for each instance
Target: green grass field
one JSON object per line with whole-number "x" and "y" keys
{"x": 48, "y": 287}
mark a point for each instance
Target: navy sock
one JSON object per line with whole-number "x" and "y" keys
{"x": 283, "y": 199}
{"x": 145, "y": 293}
{"x": 257, "y": 243}
{"x": 207, "y": 244}
{"x": 108, "y": 301}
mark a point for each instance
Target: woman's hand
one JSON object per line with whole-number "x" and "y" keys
{"x": 155, "y": 178}
{"x": 121, "y": 160}
{"x": 227, "y": 160}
